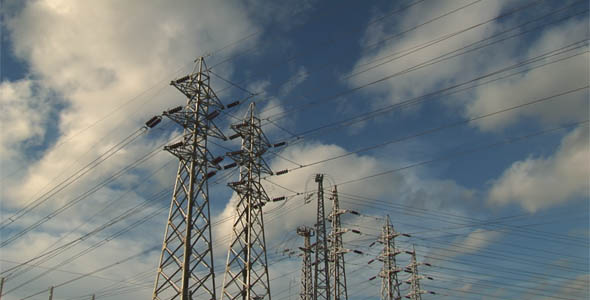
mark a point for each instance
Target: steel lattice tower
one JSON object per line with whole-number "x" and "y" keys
{"x": 246, "y": 272}
{"x": 337, "y": 250}
{"x": 321, "y": 272}
{"x": 414, "y": 281}
{"x": 186, "y": 262}
{"x": 306, "y": 292}
{"x": 389, "y": 280}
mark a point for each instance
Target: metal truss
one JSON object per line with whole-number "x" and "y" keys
{"x": 337, "y": 250}
{"x": 416, "y": 292}
{"x": 185, "y": 269}
{"x": 322, "y": 271}
{"x": 390, "y": 285}
{"x": 306, "y": 292}
{"x": 246, "y": 272}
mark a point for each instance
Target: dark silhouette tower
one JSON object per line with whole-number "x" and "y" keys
{"x": 322, "y": 270}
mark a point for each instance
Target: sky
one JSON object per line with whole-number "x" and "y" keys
{"x": 465, "y": 122}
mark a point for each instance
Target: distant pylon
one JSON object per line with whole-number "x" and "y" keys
{"x": 186, "y": 263}
{"x": 306, "y": 292}
{"x": 415, "y": 292}
{"x": 322, "y": 271}
{"x": 389, "y": 281}
{"x": 246, "y": 272}
{"x": 337, "y": 250}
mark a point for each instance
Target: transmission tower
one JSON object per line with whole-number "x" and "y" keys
{"x": 337, "y": 250}
{"x": 186, "y": 262}
{"x": 306, "y": 292}
{"x": 389, "y": 281}
{"x": 246, "y": 272}
{"x": 415, "y": 292}
{"x": 321, "y": 272}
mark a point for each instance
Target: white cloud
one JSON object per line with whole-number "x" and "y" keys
{"x": 25, "y": 108}
{"x": 98, "y": 55}
{"x": 573, "y": 289}
{"x": 28, "y": 111}
{"x": 541, "y": 182}
{"x": 301, "y": 181}
{"x": 474, "y": 242}
{"x": 417, "y": 83}
{"x": 540, "y": 83}
{"x": 295, "y": 80}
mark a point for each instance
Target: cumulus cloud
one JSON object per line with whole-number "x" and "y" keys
{"x": 535, "y": 84}
{"x": 474, "y": 242}
{"x": 537, "y": 183}
{"x": 561, "y": 77}
{"x": 25, "y": 109}
{"x": 296, "y": 79}
{"x": 413, "y": 188}
{"x": 98, "y": 56}
{"x": 302, "y": 181}
{"x": 417, "y": 83}
{"x": 576, "y": 288}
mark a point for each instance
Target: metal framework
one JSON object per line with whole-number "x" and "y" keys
{"x": 415, "y": 292}
{"x": 337, "y": 250}
{"x": 389, "y": 281}
{"x": 321, "y": 272}
{"x": 306, "y": 292}
{"x": 246, "y": 272}
{"x": 186, "y": 263}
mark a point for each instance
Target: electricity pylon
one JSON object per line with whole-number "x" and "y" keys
{"x": 321, "y": 272}
{"x": 246, "y": 272}
{"x": 186, "y": 262}
{"x": 415, "y": 292}
{"x": 389, "y": 281}
{"x": 306, "y": 292}
{"x": 337, "y": 250}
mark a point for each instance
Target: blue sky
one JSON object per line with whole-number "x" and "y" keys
{"x": 464, "y": 121}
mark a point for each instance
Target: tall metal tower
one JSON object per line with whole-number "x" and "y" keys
{"x": 321, "y": 272}
{"x": 337, "y": 250}
{"x": 389, "y": 281}
{"x": 246, "y": 272}
{"x": 415, "y": 292}
{"x": 186, "y": 262}
{"x": 306, "y": 292}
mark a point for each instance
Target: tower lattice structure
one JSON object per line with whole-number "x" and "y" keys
{"x": 337, "y": 251}
{"x": 321, "y": 271}
{"x": 306, "y": 292}
{"x": 185, "y": 267}
{"x": 415, "y": 292}
{"x": 246, "y": 272}
{"x": 390, "y": 284}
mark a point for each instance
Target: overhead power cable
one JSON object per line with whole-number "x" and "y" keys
{"x": 72, "y": 178}
{"x": 413, "y": 49}
{"x": 436, "y": 129}
{"x": 80, "y": 197}
{"x": 93, "y": 272}
{"x": 462, "y": 153}
{"x": 424, "y": 64}
{"x": 499, "y": 225}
